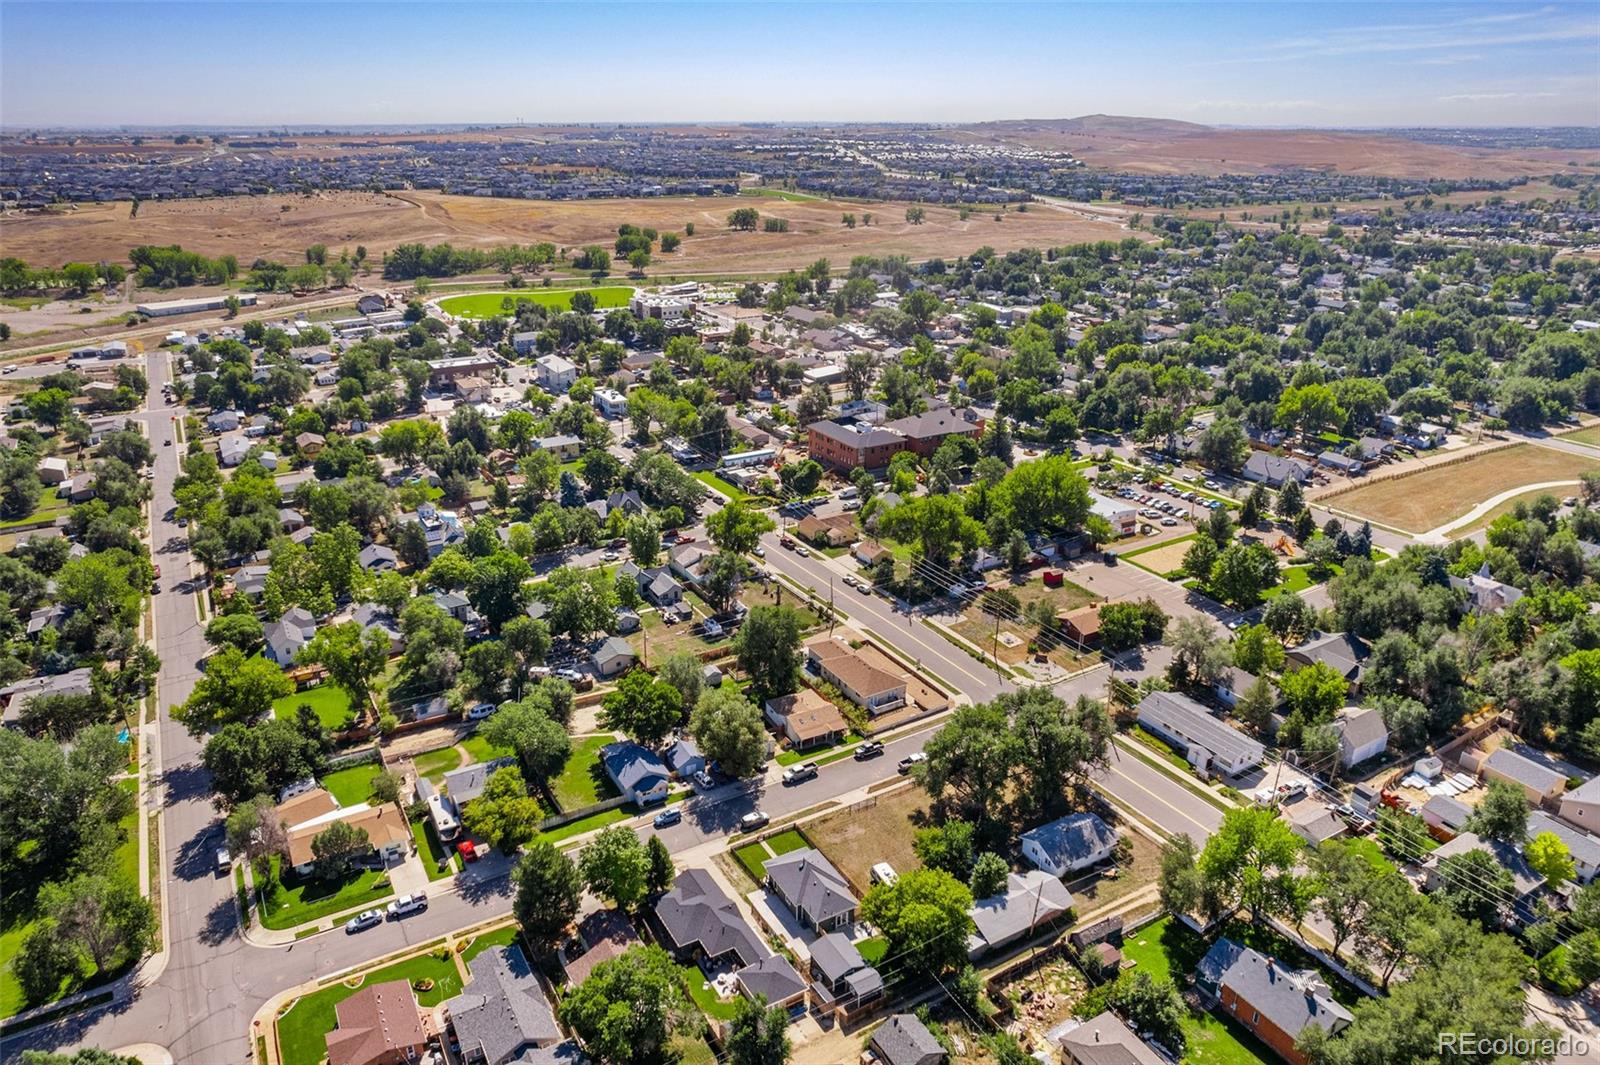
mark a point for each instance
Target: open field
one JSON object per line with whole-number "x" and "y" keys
{"x": 283, "y": 226}
{"x": 491, "y": 304}
{"x": 1591, "y": 435}
{"x": 855, "y": 839}
{"x": 1160, "y": 146}
{"x": 1428, "y": 498}
{"x": 1507, "y": 507}
{"x": 1163, "y": 558}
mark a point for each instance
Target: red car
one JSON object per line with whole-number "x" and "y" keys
{"x": 685, "y": 538}
{"x": 467, "y": 850}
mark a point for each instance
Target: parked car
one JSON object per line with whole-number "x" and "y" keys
{"x": 362, "y": 921}
{"x": 910, "y": 760}
{"x": 468, "y": 850}
{"x": 800, "y": 549}
{"x": 870, "y": 749}
{"x": 799, "y": 774}
{"x": 667, "y": 818}
{"x": 883, "y": 873}
{"x": 407, "y": 904}
{"x": 481, "y": 711}
{"x": 609, "y": 556}
{"x": 571, "y": 676}
{"x": 224, "y": 861}
{"x": 753, "y": 820}
{"x": 759, "y": 551}
{"x": 704, "y": 779}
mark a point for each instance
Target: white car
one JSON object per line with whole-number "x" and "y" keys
{"x": 849, "y": 581}
{"x": 481, "y": 711}
{"x": 609, "y": 556}
{"x": 363, "y": 920}
{"x": 407, "y": 904}
{"x": 753, "y": 820}
{"x": 801, "y": 550}
{"x": 759, "y": 551}
{"x": 799, "y": 774}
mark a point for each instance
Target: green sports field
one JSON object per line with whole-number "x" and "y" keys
{"x": 492, "y": 304}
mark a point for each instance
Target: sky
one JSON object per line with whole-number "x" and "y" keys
{"x": 249, "y": 63}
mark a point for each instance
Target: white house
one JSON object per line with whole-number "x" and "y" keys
{"x": 1362, "y": 735}
{"x": 555, "y": 374}
{"x": 610, "y": 402}
{"x": 1068, "y": 844}
{"x": 1208, "y": 742}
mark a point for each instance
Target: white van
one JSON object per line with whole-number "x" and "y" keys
{"x": 883, "y": 873}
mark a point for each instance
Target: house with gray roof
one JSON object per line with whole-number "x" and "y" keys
{"x": 839, "y": 972}
{"x": 15, "y": 697}
{"x": 904, "y": 1040}
{"x": 503, "y": 1013}
{"x": 286, "y": 636}
{"x": 1362, "y": 734}
{"x": 1541, "y": 782}
{"x": 1581, "y": 806}
{"x": 1342, "y": 652}
{"x": 809, "y": 885}
{"x": 376, "y": 558}
{"x": 1524, "y": 880}
{"x": 1584, "y": 848}
{"x": 636, "y": 771}
{"x": 1263, "y": 467}
{"x": 1446, "y": 814}
{"x": 1030, "y": 900}
{"x": 1209, "y": 743}
{"x": 771, "y": 979}
{"x": 467, "y": 783}
{"x": 1069, "y": 843}
{"x": 697, "y": 920}
{"x": 1104, "y": 1040}
{"x": 611, "y": 655}
{"x": 1271, "y": 1000}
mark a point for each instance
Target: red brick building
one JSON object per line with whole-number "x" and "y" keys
{"x": 1276, "y": 1003}
{"x": 846, "y": 446}
{"x": 926, "y": 431}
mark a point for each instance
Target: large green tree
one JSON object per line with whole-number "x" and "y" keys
{"x": 729, "y": 730}
{"x": 548, "y": 887}
{"x": 924, "y": 916}
{"x": 630, "y": 1007}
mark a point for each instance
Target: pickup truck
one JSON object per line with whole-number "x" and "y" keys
{"x": 799, "y": 774}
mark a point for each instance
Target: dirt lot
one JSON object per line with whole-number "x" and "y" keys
{"x": 978, "y": 627}
{"x": 1424, "y": 500}
{"x": 1166, "y": 558}
{"x": 283, "y": 226}
{"x": 1166, "y": 147}
{"x": 857, "y": 838}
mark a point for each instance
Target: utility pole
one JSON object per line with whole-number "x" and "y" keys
{"x": 994, "y": 650}
{"x": 832, "y": 615}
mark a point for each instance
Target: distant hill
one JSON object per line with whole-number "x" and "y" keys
{"x": 1102, "y": 125}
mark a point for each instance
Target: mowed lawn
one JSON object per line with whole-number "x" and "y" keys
{"x": 1167, "y": 949}
{"x": 492, "y": 304}
{"x": 330, "y": 702}
{"x": 302, "y": 1031}
{"x": 300, "y": 900}
{"x": 1427, "y": 499}
{"x": 583, "y": 781}
{"x": 353, "y": 785}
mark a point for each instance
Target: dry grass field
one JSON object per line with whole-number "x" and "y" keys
{"x": 856, "y": 839}
{"x": 1426, "y": 499}
{"x": 283, "y": 226}
{"x": 1166, "y": 558}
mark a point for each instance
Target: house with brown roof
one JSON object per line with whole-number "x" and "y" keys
{"x": 309, "y": 444}
{"x": 836, "y": 531}
{"x": 846, "y": 445}
{"x": 806, "y": 719}
{"x": 604, "y": 935}
{"x": 923, "y": 433}
{"x": 862, "y": 675}
{"x": 307, "y": 815}
{"x": 378, "y": 1025}
{"x": 869, "y": 552}
{"x": 1082, "y": 624}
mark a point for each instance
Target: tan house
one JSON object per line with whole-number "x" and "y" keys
{"x": 308, "y": 815}
{"x": 869, "y": 552}
{"x": 1082, "y": 625}
{"x": 806, "y": 719}
{"x": 862, "y": 675}
{"x": 827, "y": 532}
{"x": 309, "y": 444}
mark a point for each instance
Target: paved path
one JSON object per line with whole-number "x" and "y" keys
{"x": 1441, "y": 534}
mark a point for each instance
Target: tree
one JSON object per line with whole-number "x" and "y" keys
{"x": 1291, "y": 499}
{"x": 1548, "y": 856}
{"x": 659, "y": 872}
{"x": 947, "y": 847}
{"x": 505, "y": 814}
{"x": 243, "y": 631}
{"x": 44, "y": 959}
{"x": 1289, "y": 618}
{"x": 615, "y": 866}
{"x": 643, "y": 707}
{"x": 737, "y": 527}
{"x": 233, "y": 689}
{"x": 1256, "y": 705}
{"x": 253, "y": 830}
{"x": 768, "y": 650}
{"x": 541, "y": 744}
{"x": 1502, "y": 813}
{"x": 801, "y": 478}
{"x": 1314, "y": 692}
{"x": 729, "y": 729}
{"x": 353, "y": 656}
{"x": 1250, "y": 862}
{"x": 924, "y": 916}
{"x": 757, "y": 1034}
{"x": 1198, "y": 656}
{"x": 496, "y": 589}
{"x": 1223, "y": 445}
{"x": 970, "y": 762}
{"x": 1343, "y": 875}
{"x": 1121, "y": 626}
{"x": 1200, "y": 558}
{"x": 548, "y": 889}
{"x": 629, "y": 1008}
{"x": 1242, "y": 572}
{"x": 336, "y": 847}
{"x": 1181, "y": 885}
{"x": 683, "y": 671}
{"x": 744, "y": 218}
{"x": 249, "y": 760}
{"x": 989, "y": 875}
{"x": 1057, "y": 746}
{"x": 1474, "y": 885}
{"x": 644, "y": 540}
{"x": 1153, "y": 1006}
{"x": 1256, "y": 650}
